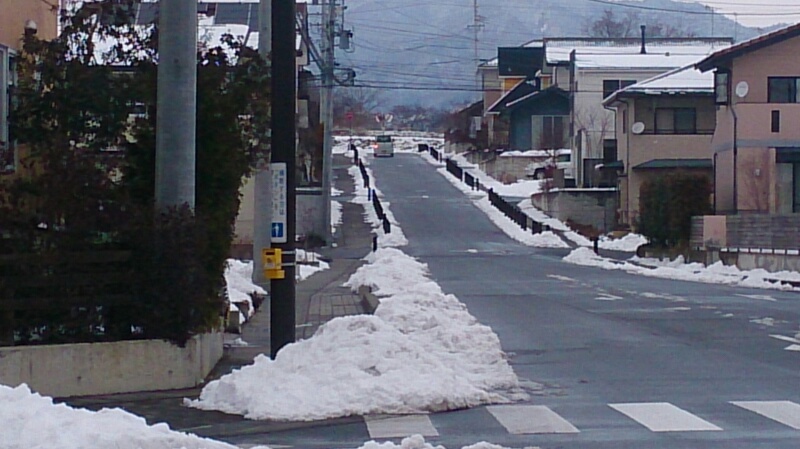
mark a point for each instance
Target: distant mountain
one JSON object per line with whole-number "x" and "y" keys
{"x": 404, "y": 46}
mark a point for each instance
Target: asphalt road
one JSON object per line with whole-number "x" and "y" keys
{"x": 611, "y": 360}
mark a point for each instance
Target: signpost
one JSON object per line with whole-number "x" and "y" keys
{"x": 279, "y": 197}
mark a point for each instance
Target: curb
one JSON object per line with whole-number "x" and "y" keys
{"x": 369, "y": 301}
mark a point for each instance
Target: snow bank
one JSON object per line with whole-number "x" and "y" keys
{"x": 395, "y": 238}
{"x": 238, "y": 278}
{"x": 32, "y": 421}
{"x": 421, "y": 352}
{"x": 629, "y": 243}
{"x": 418, "y": 442}
{"x": 308, "y": 263}
{"x": 677, "y": 269}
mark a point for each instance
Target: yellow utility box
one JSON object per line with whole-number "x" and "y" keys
{"x": 272, "y": 259}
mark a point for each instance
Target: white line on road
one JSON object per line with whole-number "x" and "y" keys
{"x": 784, "y": 338}
{"x": 561, "y": 278}
{"x": 664, "y": 417}
{"x": 759, "y": 297}
{"x": 607, "y": 297}
{"x": 530, "y": 419}
{"x": 400, "y": 426}
{"x": 785, "y": 412}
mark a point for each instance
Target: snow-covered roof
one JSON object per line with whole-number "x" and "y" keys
{"x": 683, "y": 80}
{"x": 626, "y": 53}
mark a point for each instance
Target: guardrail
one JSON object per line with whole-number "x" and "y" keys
{"x": 511, "y": 211}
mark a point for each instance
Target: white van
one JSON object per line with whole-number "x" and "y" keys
{"x": 384, "y": 146}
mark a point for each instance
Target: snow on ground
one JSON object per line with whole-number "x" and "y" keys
{"x": 628, "y": 243}
{"x": 679, "y": 270}
{"x": 521, "y": 188}
{"x": 418, "y": 442}
{"x": 308, "y": 263}
{"x": 395, "y": 237}
{"x": 420, "y": 352}
{"x": 336, "y": 215}
{"x": 34, "y": 421}
{"x": 238, "y": 278}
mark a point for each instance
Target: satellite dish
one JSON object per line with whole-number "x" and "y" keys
{"x": 637, "y": 128}
{"x": 742, "y": 89}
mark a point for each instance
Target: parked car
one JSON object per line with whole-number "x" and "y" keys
{"x": 560, "y": 159}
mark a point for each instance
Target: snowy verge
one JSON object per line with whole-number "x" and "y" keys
{"x": 418, "y": 442}
{"x": 717, "y": 273}
{"x": 420, "y": 352}
{"x": 395, "y": 237}
{"x": 34, "y": 421}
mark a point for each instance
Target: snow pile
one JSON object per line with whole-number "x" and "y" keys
{"x": 34, "y": 421}
{"x": 308, "y": 263}
{"x": 678, "y": 269}
{"x": 418, "y": 442}
{"x": 336, "y": 215}
{"x": 629, "y": 243}
{"x": 238, "y": 278}
{"x": 421, "y": 351}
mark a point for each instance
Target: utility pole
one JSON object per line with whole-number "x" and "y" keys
{"x": 326, "y": 110}
{"x": 477, "y": 26}
{"x": 262, "y": 207}
{"x": 282, "y": 167}
{"x": 176, "y": 104}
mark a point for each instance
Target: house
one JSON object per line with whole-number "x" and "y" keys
{"x": 663, "y": 125}
{"x": 16, "y": 18}
{"x": 591, "y": 69}
{"x": 465, "y": 130}
{"x": 757, "y": 141}
{"x": 756, "y": 151}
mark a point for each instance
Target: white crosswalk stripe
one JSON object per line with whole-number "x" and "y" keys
{"x": 383, "y": 426}
{"x": 785, "y": 412}
{"x": 530, "y": 419}
{"x": 664, "y": 417}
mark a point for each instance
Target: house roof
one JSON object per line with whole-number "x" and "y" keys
{"x": 675, "y": 163}
{"x": 539, "y": 95}
{"x": 685, "y": 80}
{"x": 748, "y": 46}
{"x": 520, "y": 90}
{"x": 626, "y": 52}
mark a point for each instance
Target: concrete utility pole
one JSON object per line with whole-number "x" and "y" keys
{"x": 284, "y": 97}
{"x": 326, "y": 110}
{"x": 176, "y": 104}
{"x": 262, "y": 207}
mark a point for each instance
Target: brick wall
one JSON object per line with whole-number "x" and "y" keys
{"x": 754, "y": 231}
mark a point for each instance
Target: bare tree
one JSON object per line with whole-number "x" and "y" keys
{"x": 361, "y": 102}
{"x": 610, "y": 25}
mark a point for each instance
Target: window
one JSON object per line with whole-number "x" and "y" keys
{"x": 722, "y": 87}
{"x": 611, "y": 86}
{"x": 676, "y": 121}
{"x": 776, "y": 121}
{"x": 609, "y": 150}
{"x": 784, "y": 89}
{"x": 550, "y": 131}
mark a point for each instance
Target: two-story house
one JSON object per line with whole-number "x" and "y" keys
{"x": 16, "y": 18}
{"x": 757, "y": 141}
{"x": 595, "y": 68}
{"x": 663, "y": 125}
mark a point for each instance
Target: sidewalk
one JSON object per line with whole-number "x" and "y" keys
{"x": 319, "y": 299}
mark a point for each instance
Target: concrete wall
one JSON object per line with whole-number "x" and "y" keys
{"x": 589, "y": 207}
{"x": 106, "y": 368}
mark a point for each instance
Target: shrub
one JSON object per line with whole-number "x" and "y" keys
{"x": 667, "y": 205}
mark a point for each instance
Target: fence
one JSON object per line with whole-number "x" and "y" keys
{"x": 509, "y": 210}
{"x": 376, "y": 204}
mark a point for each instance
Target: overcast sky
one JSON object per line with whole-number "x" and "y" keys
{"x": 767, "y": 12}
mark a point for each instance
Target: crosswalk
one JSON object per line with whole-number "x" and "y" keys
{"x": 543, "y": 420}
